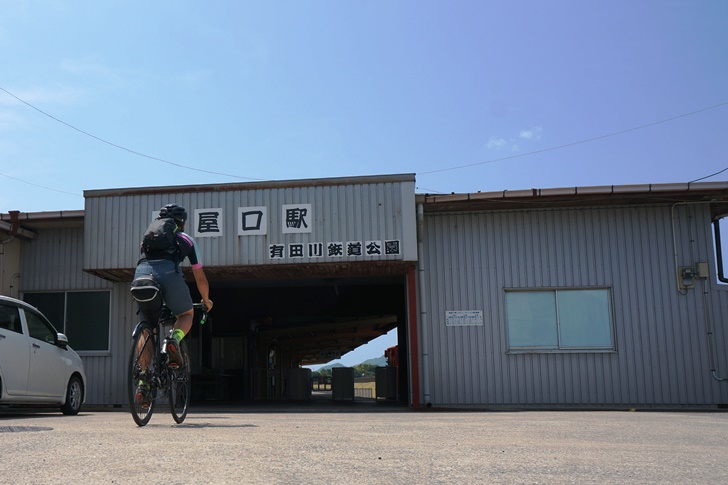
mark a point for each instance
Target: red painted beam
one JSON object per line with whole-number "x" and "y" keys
{"x": 413, "y": 346}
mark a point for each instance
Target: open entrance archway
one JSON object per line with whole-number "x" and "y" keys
{"x": 263, "y": 330}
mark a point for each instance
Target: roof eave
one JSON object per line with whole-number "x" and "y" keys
{"x": 559, "y": 197}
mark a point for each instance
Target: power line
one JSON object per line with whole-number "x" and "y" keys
{"x": 588, "y": 140}
{"x": 41, "y": 186}
{"x": 134, "y": 152}
{"x": 535, "y": 152}
{"x": 429, "y": 191}
{"x": 708, "y": 176}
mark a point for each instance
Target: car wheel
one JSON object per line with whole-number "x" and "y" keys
{"x": 74, "y": 397}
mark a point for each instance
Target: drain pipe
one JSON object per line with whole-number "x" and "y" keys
{"x": 423, "y": 312}
{"x": 712, "y": 345}
{"x": 10, "y": 288}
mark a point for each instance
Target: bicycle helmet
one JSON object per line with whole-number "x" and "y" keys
{"x": 176, "y": 212}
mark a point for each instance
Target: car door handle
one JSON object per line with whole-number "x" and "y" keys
{"x": 36, "y": 346}
{"x": 2, "y": 336}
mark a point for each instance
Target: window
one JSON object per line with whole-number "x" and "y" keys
{"x": 720, "y": 238}
{"x": 559, "y": 320}
{"x": 82, "y": 315}
{"x": 39, "y": 329}
{"x": 10, "y": 319}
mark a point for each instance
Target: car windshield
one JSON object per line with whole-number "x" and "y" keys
{"x": 39, "y": 329}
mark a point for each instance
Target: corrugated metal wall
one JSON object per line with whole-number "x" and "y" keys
{"x": 53, "y": 262}
{"x": 662, "y": 349}
{"x": 114, "y": 223}
{"x": 107, "y": 374}
{"x": 341, "y": 213}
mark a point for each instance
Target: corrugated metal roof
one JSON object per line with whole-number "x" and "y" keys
{"x": 272, "y": 184}
{"x": 558, "y": 196}
{"x": 582, "y": 196}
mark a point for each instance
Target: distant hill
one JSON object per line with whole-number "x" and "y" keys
{"x": 379, "y": 362}
{"x": 331, "y": 366}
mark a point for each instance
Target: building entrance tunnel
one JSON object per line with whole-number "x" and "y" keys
{"x": 260, "y": 335}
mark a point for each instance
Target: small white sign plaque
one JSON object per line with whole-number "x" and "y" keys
{"x": 464, "y": 318}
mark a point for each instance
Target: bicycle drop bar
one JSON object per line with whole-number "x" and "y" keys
{"x": 201, "y": 306}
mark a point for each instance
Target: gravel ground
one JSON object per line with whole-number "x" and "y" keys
{"x": 339, "y": 446}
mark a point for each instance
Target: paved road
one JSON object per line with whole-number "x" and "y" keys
{"x": 337, "y": 446}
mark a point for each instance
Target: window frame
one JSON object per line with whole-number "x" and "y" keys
{"x": 559, "y": 348}
{"x": 720, "y": 277}
{"x": 90, "y": 352}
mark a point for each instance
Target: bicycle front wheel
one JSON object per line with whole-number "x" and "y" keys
{"x": 142, "y": 362}
{"x": 180, "y": 385}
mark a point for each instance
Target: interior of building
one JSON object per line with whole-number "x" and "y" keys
{"x": 262, "y": 332}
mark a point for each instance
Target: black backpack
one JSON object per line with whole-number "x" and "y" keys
{"x": 160, "y": 236}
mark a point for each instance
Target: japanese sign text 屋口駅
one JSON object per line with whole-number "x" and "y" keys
{"x": 295, "y": 219}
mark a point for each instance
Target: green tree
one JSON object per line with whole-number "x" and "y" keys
{"x": 364, "y": 370}
{"x": 321, "y": 373}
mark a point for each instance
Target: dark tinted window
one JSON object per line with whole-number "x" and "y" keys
{"x": 82, "y": 315}
{"x": 51, "y": 305}
{"x": 87, "y": 320}
{"x": 10, "y": 319}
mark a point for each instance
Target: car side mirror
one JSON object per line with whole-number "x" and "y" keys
{"x": 62, "y": 341}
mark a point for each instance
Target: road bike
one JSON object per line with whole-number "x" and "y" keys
{"x": 148, "y": 362}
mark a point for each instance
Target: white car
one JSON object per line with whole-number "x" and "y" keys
{"x": 37, "y": 366}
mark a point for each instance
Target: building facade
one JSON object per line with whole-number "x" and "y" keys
{"x": 578, "y": 297}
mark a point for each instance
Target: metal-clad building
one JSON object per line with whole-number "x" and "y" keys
{"x": 586, "y": 296}
{"x": 648, "y": 249}
{"x": 248, "y": 218}
{"x": 302, "y": 270}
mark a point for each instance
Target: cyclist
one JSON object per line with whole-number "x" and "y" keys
{"x": 163, "y": 265}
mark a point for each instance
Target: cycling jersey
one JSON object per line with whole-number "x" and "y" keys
{"x": 164, "y": 267}
{"x": 187, "y": 249}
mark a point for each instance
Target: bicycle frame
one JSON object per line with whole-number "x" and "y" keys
{"x": 174, "y": 383}
{"x": 159, "y": 328}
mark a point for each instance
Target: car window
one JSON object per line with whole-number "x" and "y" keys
{"x": 39, "y": 329}
{"x": 10, "y": 319}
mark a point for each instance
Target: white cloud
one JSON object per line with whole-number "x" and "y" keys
{"x": 497, "y": 143}
{"x": 531, "y": 134}
{"x": 511, "y": 144}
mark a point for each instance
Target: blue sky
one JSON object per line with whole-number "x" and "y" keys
{"x": 128, "y": 93}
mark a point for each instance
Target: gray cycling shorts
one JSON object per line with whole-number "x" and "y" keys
{"x": 175, "y": 291}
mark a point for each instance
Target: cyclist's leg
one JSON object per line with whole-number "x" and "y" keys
{"x": 172, "y": 344}
{"x": 178, "y": 299}
{"x": 144, "y": 351}
{"x": 144, "y": 268}
{"x": 184, "y": 321}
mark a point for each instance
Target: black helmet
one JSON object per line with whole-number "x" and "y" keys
{"x": 176, "y": 212}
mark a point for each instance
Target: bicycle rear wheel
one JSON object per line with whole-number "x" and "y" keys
{"x": 142, "y": 362}
{"x": 180, "y": 385}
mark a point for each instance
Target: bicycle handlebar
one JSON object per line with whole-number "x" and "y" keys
{"x": 201, "y": 306}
